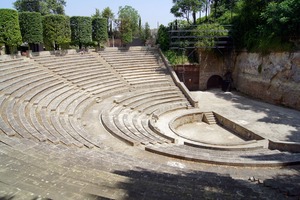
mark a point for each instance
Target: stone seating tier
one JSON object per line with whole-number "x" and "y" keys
{"x": 44, "y": 99}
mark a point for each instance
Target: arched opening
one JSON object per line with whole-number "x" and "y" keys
{"x": 214, "y": 81}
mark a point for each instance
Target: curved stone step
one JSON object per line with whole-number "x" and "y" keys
{"x": 253, "y": 158}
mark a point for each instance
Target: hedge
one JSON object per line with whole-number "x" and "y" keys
{"x": 81, "y": 30}
{"x": 10, "y": 33}
{"x": 56, "y": 31}
{"x": 99, "y": 34}
{"x": 31, "y": 27}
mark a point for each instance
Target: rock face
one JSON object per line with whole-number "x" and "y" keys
{"x": 274, "y": 78}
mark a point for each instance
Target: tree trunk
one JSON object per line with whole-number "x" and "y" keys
{"x": 194, "y": 18}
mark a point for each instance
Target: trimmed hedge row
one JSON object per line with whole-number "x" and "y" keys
{"x": 53, "y": 30}
{"x": 10, "y": 33}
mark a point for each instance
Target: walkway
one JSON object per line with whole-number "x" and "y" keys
{"x": 264, "y": 119}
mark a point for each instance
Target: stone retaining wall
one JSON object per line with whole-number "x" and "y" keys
{"x": 274, "y": 78}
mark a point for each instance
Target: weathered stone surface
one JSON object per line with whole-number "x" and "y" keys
{"x": 273, "y": 78}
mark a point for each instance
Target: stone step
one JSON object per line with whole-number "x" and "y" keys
{"x": 251, "y": 158}
{"x": 209, "y": 118}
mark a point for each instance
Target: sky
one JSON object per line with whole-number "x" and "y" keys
{"x": 152, "y": 11}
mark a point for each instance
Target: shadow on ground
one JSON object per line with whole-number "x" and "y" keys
{"x": 145, "y": 184}
{"x": 273, "y": 114}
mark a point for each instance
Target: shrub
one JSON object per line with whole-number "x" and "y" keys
{"x": 10, "y": 33}
{"x": 31, "y": 27}
{"x": 207, "y": 34}
{"x": 56, "y": 31}
{"x": 81, "y": 30}
{"x": 100, "y": 32}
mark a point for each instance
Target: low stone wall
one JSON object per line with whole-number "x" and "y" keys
{"x": 185, "y": 119}
{"x": 274, "y": 78}
{"x": 236, "y": 128}
{"x": 178, "y": 83}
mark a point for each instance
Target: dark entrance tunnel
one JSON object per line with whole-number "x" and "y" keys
{"x": 214, "y": 81}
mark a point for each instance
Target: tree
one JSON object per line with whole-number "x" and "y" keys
{"x": 163, "y": 38}
{"x": 207, "y": 34}
{"x": 81, "y": 30}
{"x": 147, "y": 34}
{"x": 126, "y": 31}
{"x": 109, "y": 15}
{"x": 10, "y": 33}
{"x": 56, "y": 31}
{"x": 42, "y": 6}
{"x": 186, "y": 8}
{"x": 129, "y": 17}
{"x": 31, "y": 27}
{"x": 97, "y": 14}
{"x": 99, "y": 30}
{"x": 282, "y": 19}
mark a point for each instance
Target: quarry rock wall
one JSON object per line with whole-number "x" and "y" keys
{"x": 273, "y": 78}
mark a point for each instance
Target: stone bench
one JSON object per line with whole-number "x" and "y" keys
{"x": 62, "y": 106}
{"x": 60, "y": 69}
{"x": 107, "y": 89}
{"x": 253, "y": 158}
{"x": 134, "y": 135}
{"x": 92, "y": 77}
{"x": 75, "y": 76}
{"x": 143, "y": 122}
{"x": 77, "y": 126}
{"x": 45, "y": 121}
{"x": 14, "y": 122}
{"x": 46, "y": 100}
{"x": 15, "y": 72}
{"x": 55, "y": 121}
{"x": 156, "y": 82}
{"x": 109, "y": 125}
{"x": 33, "y": 110}
{"x": 138, "y": 95}
{"x": 55, "y": 103}
{"x": 23, "y": 91}
{"x": 44, "y": 91}
{"x": 65, "y": 123}
{"x": 14, "y": 84}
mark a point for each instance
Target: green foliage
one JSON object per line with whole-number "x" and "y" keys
{"x": 265, "y": 26}
{"x": 99, "y": 26}
{"x": 176, "y": 58}
{"x": 186, "y": 8}
{"x": 56, "y": 31}
{"x": 10, "y": 33}
{"x": 147, "y": 31}
{"x": 126, "y": 32}
{"x": 97, "y": 14}
{"x": 163, "y": 38}
{"x": 81, "y": 30}
{"x": 44, "y": 7}
{"x": 208, "y": 33}
{"x": 107, "y": 13}
{"x": 31, "y": 27}
{"x": 129, "y": 17}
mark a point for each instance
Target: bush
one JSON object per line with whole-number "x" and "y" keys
{"x": 31, "y": 27}
{"x": 10, "y": 33}
{"x": 163, "y": 38}
{"x": 207, "y": 33}
{"x": 176, "y": 58}
{"x": 56, "y": 31}
{"x": 100, "y": 32}
{"x": 81, "y": 30}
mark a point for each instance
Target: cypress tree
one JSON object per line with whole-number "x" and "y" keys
{"x": 10, "y": 33}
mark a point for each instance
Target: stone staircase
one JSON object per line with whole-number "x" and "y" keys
{"x": 209, "y": 118}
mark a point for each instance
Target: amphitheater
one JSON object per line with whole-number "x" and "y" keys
{"x": 106, "y": 125}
